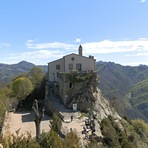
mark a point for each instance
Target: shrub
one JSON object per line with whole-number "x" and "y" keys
{"x": 140, "y": 127}
{"x": 51, "y": 140}
{"x": 56, "y": 123}
{"x": 22, "y": 141}
{"x": 72, "y": 140}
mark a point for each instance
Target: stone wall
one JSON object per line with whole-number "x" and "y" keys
{"x": 70, "y": 84}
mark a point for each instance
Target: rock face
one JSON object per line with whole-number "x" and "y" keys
{"x": 89, "y": 97}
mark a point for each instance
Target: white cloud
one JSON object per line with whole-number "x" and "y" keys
{"x": 50, "y": 45}
{"x": 138, "y": 54}
{"x": 36, "y": 57}
{"x": 135, "y": 49}
{"x": 78, "y": 40}
{"x": 4, "y": 45}
{"x": 107, "y": 46}
{"x": 142, "y": 1}
{"x": 139, "y": 47}
{"x": 30, "y": 41}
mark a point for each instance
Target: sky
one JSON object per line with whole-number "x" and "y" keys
{"x": 40, "y": 31}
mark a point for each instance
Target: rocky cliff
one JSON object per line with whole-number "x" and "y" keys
{"x": 89, "y": 97}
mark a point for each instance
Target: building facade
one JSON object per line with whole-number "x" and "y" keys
{"x": 72, "y": 64}
{"x": 69, "y": 63}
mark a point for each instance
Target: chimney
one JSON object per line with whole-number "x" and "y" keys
{"x": 80, "y": 50}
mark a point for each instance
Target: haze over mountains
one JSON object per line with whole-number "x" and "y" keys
{"x": 129, "y": 85}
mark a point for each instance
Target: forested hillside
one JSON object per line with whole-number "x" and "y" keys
{"x": 138, "y": 97}
{"x": 117, "y": 81}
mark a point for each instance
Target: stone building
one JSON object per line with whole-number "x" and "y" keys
{"x": 67, "y": 75}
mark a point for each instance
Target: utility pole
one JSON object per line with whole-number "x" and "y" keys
{"x": 37, "y": 120}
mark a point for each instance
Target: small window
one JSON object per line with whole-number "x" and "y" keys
{"x": 58, "y": 67}
{"x": 70, "y": 66}
{"x": 70, "y": 85}
{"x": 57, "y": 74}
{"x": 78, "y": 66}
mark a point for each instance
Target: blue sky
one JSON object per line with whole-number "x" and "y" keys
{"x": 40, "y": 31}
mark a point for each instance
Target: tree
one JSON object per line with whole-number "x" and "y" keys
{"x": 37, "y": 75}
{"x": 4, "y": 102}
{"x": 56, "y": 123}
{"x": 20, "y": 141}
{"x": 141, "y": 128}
{"x": 72, "y": 140}
{"x": 22, "y": 87}
{"x": 51, "y": 140}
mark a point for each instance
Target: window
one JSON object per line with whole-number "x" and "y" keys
{"x": 70, "y": 66}
{"x": 70, "y": 85}
{"x": 79, "y": 66}
{"x": 57, "y": 74}
{"x": 58, "y": 67}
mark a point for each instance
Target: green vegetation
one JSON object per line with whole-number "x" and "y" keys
{"x": 22, "y": 141}
{"x": 47, "y": 140}
{"x": 141, "y": 128}
{"x": 51, "y": 140}
{"x": 78, "y": 77}
{"x": 5, "y": 94}
{"x": 138, "y": 98}
{"x": 114, "y": 137}
{"x": 9, "y": 72}
{"x": 71, "y": 141}
{"x": 56, "y": 123}
{"x": 134, "y": 133}
{"x": 22, "y": 87}
{"x": 119, "y": 81}
{"x": 25, "y": 87}
{"x": 37, "y": 75}
{"x": 139, "y": 92}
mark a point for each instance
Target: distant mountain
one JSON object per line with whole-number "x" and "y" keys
{"x": 8, "y": 72}
{"x": 126, "y": 83}
{"x": 119, "y": 81}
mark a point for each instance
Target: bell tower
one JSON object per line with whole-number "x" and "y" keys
{"x": 80, "y": 50}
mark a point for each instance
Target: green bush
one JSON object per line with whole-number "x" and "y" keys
{"x": 56, "y": 123}
{"x": 114, "y": 136}
{"x": 51, "y": 140}
{"x": 22, "y": 141}
{"x": 141, "y": 128}
{"x": 72, "y": 141}
{"x": 76, "y": 77}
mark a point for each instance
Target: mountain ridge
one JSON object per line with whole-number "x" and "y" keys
{"x": 116, "y": 81}
{"x": 10, "y": 71}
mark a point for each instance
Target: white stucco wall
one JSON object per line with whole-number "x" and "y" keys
{"x": 52, "y": 71}
{"x": 87, "y": 63}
